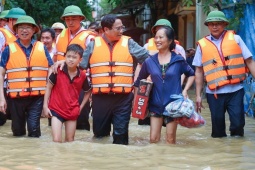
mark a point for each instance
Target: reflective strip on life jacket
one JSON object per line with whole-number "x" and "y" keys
{"x": 223, "y": 68}
{"x": 27, "y": 89}
{"x": 226, "y": 78}
{"x": 27, "y": 69}
{"x": 112, "y": 74}
{"x": 112, "y": 85}
{"x": 226, "y": 58}
{"x": 60, "y": 53}
{"x": 111, "y": 64}
{"x": 27, "y": 79}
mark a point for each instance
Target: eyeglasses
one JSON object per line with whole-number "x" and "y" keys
{"x": 119, "y": 28}
{"x": 25, "y": 28}
{"x": 216, "y": 24}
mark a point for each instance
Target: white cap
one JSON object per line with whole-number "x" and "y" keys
{"x": 58, "y": 25}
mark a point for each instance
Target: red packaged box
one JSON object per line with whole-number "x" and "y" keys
{"x": 141, "y": 99}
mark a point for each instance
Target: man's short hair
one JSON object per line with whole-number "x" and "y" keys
{"x": 108, "y": 21}
{"x": 51, "y": 31}
{"x": 76, "y": 48}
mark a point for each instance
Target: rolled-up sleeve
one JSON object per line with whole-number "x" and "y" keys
{"x": 143, "y": 74}
{"x": 138, "y": 52}
{"x": 86, "y": 55}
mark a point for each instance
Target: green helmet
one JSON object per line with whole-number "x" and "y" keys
{"x": 216, "y": 16}
{"x": 26, "y": 20}
{"x": 3, "y": 14}
{"x": 161, "y": 22}
{"x": 72, "y": 10}
{"x": 15, "y": 13}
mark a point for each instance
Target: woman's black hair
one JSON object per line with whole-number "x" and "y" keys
{"x": 170, "y": 36}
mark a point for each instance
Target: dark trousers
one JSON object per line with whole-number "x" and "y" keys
{"x": 115, "y": 109}
{"x": 233, "y": 104}
{"x": 26, "y": 110}
{"x": 83, "y": 119}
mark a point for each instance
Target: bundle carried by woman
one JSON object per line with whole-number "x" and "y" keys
{"x": 183, "y": 112}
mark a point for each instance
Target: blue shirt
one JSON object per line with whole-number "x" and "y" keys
{"x": 164, "y": 86}
{"x": 27, "y": 51}
{"x": 197, "y": 61}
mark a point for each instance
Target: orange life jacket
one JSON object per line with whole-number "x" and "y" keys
{"x": 64, "y": 41}
{"x": 26, "y": 77}
{"x": 153, "y": 49}
{"x": 111, "y": 71}
{"x": 9, "y": 37}
{"x": 229, "y": 70}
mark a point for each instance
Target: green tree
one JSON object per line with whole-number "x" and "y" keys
{"x": 46, "y": 12}
{"x": 106, "y": 7}
{"x": 238, "y": 7}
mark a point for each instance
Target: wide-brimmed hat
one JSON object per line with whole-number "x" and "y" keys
{"x": 26, "y": 20}
{"x": 72, "y": 10}
{"x": 15, "y": 13}
{"x": 161, "y": 22}
{"x": 3, "y": 14}
{"x": 58, "y": 25}
{"x": 215, "y": 16}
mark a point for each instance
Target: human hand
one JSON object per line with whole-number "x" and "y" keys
{"x": 57, "y": 64}
{"x": 199, "y": 104}
{"x": 46, "y": 112}
{"x": 185, "y": 94}
{"x": 3, "y": 106}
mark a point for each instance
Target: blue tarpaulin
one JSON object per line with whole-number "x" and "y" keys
{"x": 247, "y": 25}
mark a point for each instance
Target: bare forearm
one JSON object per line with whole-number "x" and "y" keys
{"x": 189, "y": 83}
{"x": 251, "y": 65}
{"x": 85, "y": 99}
{"x": 2, "y": 74}
{"x": 199, "y": 79}
{"x": 47, "y": 94}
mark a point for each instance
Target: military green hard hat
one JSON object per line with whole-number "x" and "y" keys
{"x": 161, "y": 22}
{"x": 72, "y": 10}
{"x": 3, "y": 14}
{"x": 26, "y": 20}
{"x": 15, "y": 13}
{"x": 215, "y": 16}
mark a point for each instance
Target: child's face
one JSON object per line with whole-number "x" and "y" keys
{"x": 72, "y": 59}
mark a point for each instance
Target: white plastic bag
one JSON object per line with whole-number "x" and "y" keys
{"x": 180, "y": 107}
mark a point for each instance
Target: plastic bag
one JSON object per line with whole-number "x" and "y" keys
{"x": 180, "y": 107}
{"x": 183, "y": 112}
{"x": 196, "y": 120}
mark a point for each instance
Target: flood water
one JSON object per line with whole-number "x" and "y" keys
{"x": 195, "y": 149}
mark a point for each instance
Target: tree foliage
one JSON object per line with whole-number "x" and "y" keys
{"x": 237, "y": 6}
{"x": 46, "y": 12}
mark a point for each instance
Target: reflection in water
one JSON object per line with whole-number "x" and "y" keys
{"x": 195, "y": 149}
